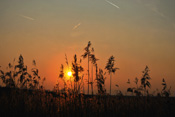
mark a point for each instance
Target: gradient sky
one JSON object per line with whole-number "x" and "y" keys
{"x": 136, "y": 32}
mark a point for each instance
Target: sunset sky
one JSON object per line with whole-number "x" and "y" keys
{"x": 136, "y": 32}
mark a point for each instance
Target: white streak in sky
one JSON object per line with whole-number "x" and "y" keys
{"x": 113, "y": 4}
{"x": 26, "y": 17}
{"x": 76, "y": 26}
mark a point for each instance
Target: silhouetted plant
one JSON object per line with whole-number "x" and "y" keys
{"x": 77, "y": 69}
{"x": 62, "y": 77}
{"x": 87, "y": 55}
{"x": 34, "y": 81}
{"x": 129, "y": 89}
{"x": 66, "y": 60}
{"x": 118, "y": 91}
{"x": 136, "y": 81}
{"x": 69, "y": 69}
{"x": 165, "y": 92}
{"x": 93, "y": 60}
{"x": 18, "y": 76}
{"x": 128, "y": 81}
{"x": 110, "y": 68}
{"x": 137, "y": 90}
{"x": 96, "y": 72}
{"x": 101, "y": 82}
{"x": 8, "y": 78}
{"x": 82, "y": 84}
{"x": 145, "y": 79}
{"x": 50, "y": 104}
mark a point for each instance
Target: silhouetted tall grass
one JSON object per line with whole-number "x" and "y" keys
{"x": 23, "y": 94}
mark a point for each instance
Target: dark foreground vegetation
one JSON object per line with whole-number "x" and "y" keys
{"x": 22, "y": 92}
{"x": 15, "y": 102}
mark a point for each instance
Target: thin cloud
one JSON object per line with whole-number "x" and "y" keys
{"x": 27, "y": 17}
{"x": 157, "y": 11}
{"x": 76, "y": 26}
{"x": 113, "y": 4}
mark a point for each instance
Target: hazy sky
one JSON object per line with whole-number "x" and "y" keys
{"x": 136, "y": 32}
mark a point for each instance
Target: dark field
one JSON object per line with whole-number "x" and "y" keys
{"x": 15, "y": 102}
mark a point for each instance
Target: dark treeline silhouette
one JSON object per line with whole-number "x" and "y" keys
{"x": 22, "y": 92}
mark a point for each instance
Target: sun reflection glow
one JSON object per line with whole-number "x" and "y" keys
{"x": 69, "y": 73}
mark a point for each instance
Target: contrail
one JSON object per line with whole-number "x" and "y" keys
{"x": 112, "y": 4}
{"x": 26, "y": 17}
{"x": 76, "y": 26}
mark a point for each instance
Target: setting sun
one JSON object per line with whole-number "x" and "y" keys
{"x": 69, "y": 73}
